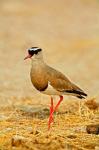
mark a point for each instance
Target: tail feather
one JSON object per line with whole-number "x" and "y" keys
{"x": 79, "y": 93}
{"x": 76, "y": 91}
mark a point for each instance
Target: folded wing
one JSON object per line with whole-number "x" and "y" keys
{"x": 62, "y": 84}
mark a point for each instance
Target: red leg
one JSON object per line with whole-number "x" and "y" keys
{"x": 52, "y": 111}
{"x": 52, "y": 107}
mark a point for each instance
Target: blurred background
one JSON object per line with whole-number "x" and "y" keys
{"x": 66, "y": 30}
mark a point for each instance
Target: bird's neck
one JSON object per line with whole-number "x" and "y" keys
{"x": 38, "y": 64}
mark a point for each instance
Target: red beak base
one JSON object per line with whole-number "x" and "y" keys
{"x": 28, "y": 56}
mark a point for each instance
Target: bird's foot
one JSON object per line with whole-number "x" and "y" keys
{"x": 51, "y": 119}
{"x": 52, "y": 110}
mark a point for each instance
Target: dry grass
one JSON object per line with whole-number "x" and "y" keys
{"x": 67, "y": 132}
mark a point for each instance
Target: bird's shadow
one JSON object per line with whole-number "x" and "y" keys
{"x": 36, "y": 111}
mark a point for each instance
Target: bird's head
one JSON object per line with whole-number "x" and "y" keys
{"x": 33, "y": 51}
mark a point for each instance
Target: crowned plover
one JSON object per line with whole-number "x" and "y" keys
{"x": 50, "y": 81}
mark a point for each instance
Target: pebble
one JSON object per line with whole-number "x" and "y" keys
{"x": 2, "y": 117}
{"x": 92, "y": 129}
{"x": 18, "y": 140}
{"x": 97, "y": 148}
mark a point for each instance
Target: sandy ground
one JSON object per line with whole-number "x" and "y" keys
{"x": 68, "y": 32}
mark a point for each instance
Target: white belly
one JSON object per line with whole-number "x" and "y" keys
{"x": 51, "y": 91}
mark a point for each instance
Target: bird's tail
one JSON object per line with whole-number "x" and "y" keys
{"x": 79, "y": 93}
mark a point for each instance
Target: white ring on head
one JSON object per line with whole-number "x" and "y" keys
{"x": 34, "y": 49}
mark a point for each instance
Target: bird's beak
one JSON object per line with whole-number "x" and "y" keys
{"x": 28, "y": 56}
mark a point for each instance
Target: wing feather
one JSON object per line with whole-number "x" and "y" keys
{"x": 62, "y": 84}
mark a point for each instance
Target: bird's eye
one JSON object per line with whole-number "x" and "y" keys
{"x": 31, "y": 52}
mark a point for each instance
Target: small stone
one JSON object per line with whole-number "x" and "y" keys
{"x": 2, "y": 117}
{"x": 92, "y": 104}
{"x": 97, "y": 148}
{"x": 92, "y": 129}
{"x": 18, "y": 140}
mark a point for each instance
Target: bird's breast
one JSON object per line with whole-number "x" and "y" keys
{"x": 39, "y": 80}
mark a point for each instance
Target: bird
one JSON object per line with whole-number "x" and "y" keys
{"x": 50, "y": 81}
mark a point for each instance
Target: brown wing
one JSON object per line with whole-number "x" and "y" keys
{"x": 57, "y": 79}
{"x": 62, "y": 83}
